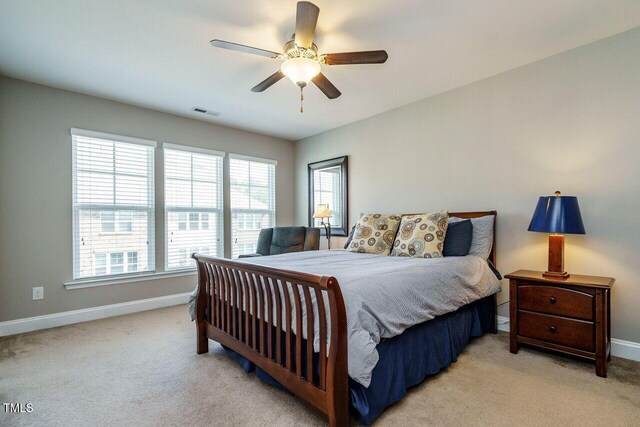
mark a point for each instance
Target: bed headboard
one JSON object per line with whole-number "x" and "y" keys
{"x": 492, "y": 255}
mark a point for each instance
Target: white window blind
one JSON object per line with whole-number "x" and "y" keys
{"x": 193, "y": 204}
{"x": 327, "y": 190}
{"x": 113, "y": 204}
{"x": 253, "y": 201}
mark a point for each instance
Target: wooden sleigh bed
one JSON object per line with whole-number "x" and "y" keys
{"x": 228, "y": 310}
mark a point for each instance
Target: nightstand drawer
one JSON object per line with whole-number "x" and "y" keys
{"x": 559, "y": 330}
{"x": 555, "y": 300}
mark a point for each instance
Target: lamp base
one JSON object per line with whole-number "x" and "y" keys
{"x": 327, "y": 231}
{"x": 556, "y": 274}
{"x": 556, "y": 257}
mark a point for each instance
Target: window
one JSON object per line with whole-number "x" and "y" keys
{"x": 107, "y": 222}
{"x": 113, "y": 204}
{"x": 100, "y": 264}
{"x": 253, "y": 201}
{"x": 247, "y": 248}
{"x": 182, "y": 221}
{"x": 247, "y": 221}
{"x": 124, "y": 221}
{"x": 193, "y": 204}
{"x": 115, "y": 263}
{"x": 197, "y": 221}
{"x": 112, "y": 222}
{"x": 132, "y": 261}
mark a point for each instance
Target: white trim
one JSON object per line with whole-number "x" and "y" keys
{"x": 92, "y": 283}
{"x": 503, "y": 324}
{"x": 47, "y": 321}
{"x": 252, "y": 159}
{"x": 619, "y": 348}
{"x": 177, "y": 147}
{"x": 112, "y": 137}
{"x": 625, "y": 349}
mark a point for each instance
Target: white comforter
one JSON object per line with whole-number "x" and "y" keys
{"x": 385, "y": 295}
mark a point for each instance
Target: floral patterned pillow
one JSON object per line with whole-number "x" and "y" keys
{"x": 374, "y": 234}
{"x": 421, "y": 236}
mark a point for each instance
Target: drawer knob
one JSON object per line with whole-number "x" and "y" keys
{"x": 552, "y": 300}
{"x": 553, "y": 329}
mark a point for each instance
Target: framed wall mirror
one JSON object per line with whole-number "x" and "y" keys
{"x": 328, "y": 186}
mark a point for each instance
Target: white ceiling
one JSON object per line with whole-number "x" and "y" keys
{"x": 156, "y": 53}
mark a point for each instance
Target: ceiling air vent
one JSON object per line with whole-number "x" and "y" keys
{"x": 205, "y": 111}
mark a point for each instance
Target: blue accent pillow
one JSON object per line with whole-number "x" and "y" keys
{"x": 353, "y": 229}
{"x": 457, "y": 241}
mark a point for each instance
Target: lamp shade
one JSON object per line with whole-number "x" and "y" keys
{"x": 557, "y": 214}
{"x": 322, "y": 211}
{"x": 300, "y": 70}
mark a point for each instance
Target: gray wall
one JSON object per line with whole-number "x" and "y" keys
{"x": 35, "y": 190}
{"x": 570, "y": 122}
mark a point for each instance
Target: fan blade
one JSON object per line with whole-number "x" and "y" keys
{"x": 326, "y": 86}
{"x": 306, "y": 20}
{"x": 348, "y": 58}
{"x": 242, "y": 48}
{"x": 268, "y": 82}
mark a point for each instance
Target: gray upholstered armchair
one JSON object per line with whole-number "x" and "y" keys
{"x": 280, "y": 240}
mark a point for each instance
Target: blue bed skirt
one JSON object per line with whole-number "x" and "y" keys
{"x": 407, "y": 359}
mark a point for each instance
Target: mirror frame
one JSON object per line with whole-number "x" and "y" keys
{"x": 343, "y": 163}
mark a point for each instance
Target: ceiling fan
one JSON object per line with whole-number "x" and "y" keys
{"x": 302, "y": 63}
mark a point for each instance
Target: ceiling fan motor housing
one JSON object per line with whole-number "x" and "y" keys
{"x": 291, "y": 50}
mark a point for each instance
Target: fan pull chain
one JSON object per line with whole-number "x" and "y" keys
{"x": 301, "y": 99}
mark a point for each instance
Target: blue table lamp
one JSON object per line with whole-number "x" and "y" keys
{"x": 557, "y": 215}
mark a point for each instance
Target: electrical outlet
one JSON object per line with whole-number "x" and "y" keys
{"x": 38, "y": 293}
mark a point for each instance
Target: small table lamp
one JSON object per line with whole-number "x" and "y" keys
{"x": 558, "y": 215}
{"x": 322, "y": 212}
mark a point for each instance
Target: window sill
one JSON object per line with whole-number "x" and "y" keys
{"x": 115, "y": 233}
{"x": 92, "y": 283}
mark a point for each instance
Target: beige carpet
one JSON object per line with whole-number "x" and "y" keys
{"x": 142, "y": 370}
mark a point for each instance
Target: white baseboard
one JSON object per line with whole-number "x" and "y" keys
{"x": 503, "y": 323}
{"x": 47, "y": 321}
{"x": 625, "y": 349}
{"x": 619, "y": 348}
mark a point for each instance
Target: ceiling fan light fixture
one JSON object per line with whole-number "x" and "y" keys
{"x": 300, "y": 70}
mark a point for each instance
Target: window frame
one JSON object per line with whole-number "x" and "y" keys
{"x": 188, "y": 211}
{"x": 76, "y": 207}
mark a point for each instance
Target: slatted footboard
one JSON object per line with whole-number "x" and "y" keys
{"x": 258, "y": 312}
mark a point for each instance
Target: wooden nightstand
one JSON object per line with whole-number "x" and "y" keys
{"x": 571, "y": 315}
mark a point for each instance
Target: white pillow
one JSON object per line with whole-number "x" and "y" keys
{"x": 482, "y": 238}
